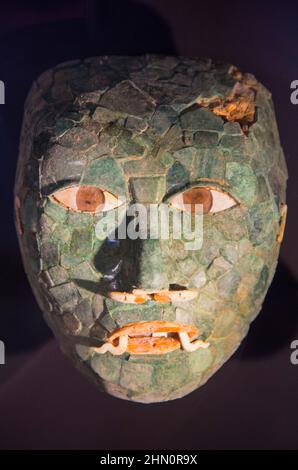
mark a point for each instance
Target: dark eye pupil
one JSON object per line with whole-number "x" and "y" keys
{"x": 89, "y": 198}
{"x": 197, "y": 196}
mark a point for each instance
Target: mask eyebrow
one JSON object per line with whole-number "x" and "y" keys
{"x": 53, "y": 187}
{"x": 59, "y": 166}
{"x": 217, "y": 182}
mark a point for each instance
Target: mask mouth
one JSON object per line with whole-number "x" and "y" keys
{"x": 152, "y": 337}
{"x": 137, "y": 296}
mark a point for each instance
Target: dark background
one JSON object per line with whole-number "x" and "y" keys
{"x": 44, "y": 402}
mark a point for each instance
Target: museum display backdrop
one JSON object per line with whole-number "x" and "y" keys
{"x": 148, "y": 319}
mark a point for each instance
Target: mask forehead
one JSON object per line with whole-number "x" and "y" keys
{"x": 146, "y": 129}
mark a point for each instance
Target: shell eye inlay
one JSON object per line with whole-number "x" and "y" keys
{"x": 196, "y": 196}
{"x": 89, "y": 199}
{"x": 207, "y": 200}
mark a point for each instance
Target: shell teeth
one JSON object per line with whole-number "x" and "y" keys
{"x": 190, "y": 347}
{"x": 159, "y": 334}
{"x": 123, "y": 344}
{"x": 131, "y": 298}
{"x": 140, "y": 296}
{"x": 115, "y": 350}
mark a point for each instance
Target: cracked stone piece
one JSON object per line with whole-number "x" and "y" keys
{"x": 184, "y": 316}
{"x": 55, "y": 212}
{"x": 83, "y": 313}
{"x": 163, "y": 119}
{"x": 122, "y": 314}
{"x": 199, "y": 279}
{"x": 61, "y": 164}
{"x": 49, "y": 254}
{"x": 136, "y": 377}
{"x": 58, "y": 275}
{"x": 81, "y": 242}
{"x": 79, "y": 139}
{"x": 228, "y": 283}
{"x": 97, "y": 306}
{"x": 148, "y": 167}
{"x": 29, "y": 214}
{"x": 233, "y": 142}
{"x": 185, "y": 156}
{"x": 213, "y": 168}
{"x": 177, "y": 176}
{"x": 83, "y": 351}
{"x": 65, "y": 294}
{"x": 125, "y": 97}
{"x": 104, "y": 115}
{"x": 83, "y": 271}
{"x": 219, "y": 266}
{"x": 148, "y": 189}
{"x": 232, "y": 128}
{"x": 172, "y": 140}
{"x": 200, "y": 119}
{"x": 258, "y": 226}
{"x": 62, "y": 126}
{"x": 243, "y": 180}
{"x": 127, "y": 147}
{"x": 72, "y": 324}
{"x": 107, "y": 174}
{"x": 136, "y": 124}
{"x": 205, "y": 139}
{"x": 107, "y": 368}
{"x": 200, "y": 360}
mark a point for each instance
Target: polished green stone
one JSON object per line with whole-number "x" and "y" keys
{"x": 205, "y": 139}
{"x": 148, "y": 189}
{"x": 106, "y": 173}
{"x": 177, "y": 177}
{"x": 196, "y": 119}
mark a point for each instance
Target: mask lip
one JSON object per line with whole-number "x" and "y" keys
{"x": 137, "y": 296}
{"x": 153, "y": 337}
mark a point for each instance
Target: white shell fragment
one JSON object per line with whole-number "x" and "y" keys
{"x": 190, "y": 347}
{"x": 115, "y": 350}
{"x": 140, "y": 295}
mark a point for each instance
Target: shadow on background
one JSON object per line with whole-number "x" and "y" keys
{"x": 277, "y": 323}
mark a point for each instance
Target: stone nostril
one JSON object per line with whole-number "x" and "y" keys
{"x": 113, "y": 242}
{"x": 176, "y": 287}
{"x": 111, "y": 273}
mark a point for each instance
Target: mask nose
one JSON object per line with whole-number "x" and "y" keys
{"x": 143, "y": 265}
{"x": 132, "y": 263}
{"x": 152, "y": 266}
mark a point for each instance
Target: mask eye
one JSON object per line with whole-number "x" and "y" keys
{"x": 86, "y": 199}
{"x": 212, "y": 200}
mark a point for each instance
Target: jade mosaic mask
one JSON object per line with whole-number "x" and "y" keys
{"x": 148, "y": 319}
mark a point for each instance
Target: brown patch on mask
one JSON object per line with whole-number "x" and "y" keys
{"x": 239, "y": 105}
